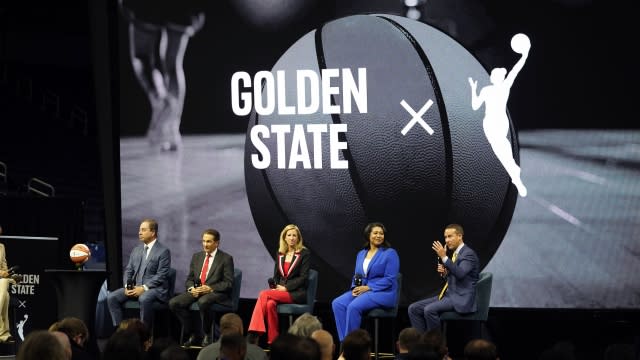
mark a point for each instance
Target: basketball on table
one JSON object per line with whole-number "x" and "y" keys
{"x": 79, "y": 254}
{"x": 417, "y": 155}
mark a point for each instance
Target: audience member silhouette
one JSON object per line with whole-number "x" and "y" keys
{"x": 480, "y": 349}
{"x": 436, "y": 340}
{"x": 64, "y": 341}
{"x": 293, "y": 347}
{"x": 136, "y": 324}
{"x": 325, "y": 340}
{"x": 304, "y": 325}
{"x": 620, "y": 352}
{"x": 41, "y": 344}
{"x": 233, "y": 347}
{"x": 356, "y": 345}
{"x": 158, "y": 345}
{"x": 78, "y": 334}
{"x": 231, "y": 324}
{"x": 422, "y": 351}
{"x": 561, "y": 350}
{"x": 407, "y": 338}
{"x": 124, "y": 344}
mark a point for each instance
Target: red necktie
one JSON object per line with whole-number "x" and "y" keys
{"x": 205, "y": 270}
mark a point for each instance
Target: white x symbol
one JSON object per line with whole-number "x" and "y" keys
{"x": 416, "y": 117}
{"x": 22, "y": 304}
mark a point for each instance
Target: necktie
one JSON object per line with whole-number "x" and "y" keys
{"x": 205, "y": 269}
{"x": 455, "y": 255}
{"x": 141, "y": 267}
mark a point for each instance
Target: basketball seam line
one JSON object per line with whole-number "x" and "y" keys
{"x": 444, "y": 119}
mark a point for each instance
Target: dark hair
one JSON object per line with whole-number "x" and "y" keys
{"x": 480, "y": 349}
{"x": 357, "y": 345}
{"x": 153, "y": 225}
{"x": 367, "y": 232}
{"x": 435, "y": 339}
{"x": 215, "y": 233}
{"x": 293, "y": 347}
{"x": 41, "y": 344}
{"x": 423, "y": 352}
{"x": 124, "y": 345}
{"x": 408, "y": 337}
{"x": 457, "y": 228}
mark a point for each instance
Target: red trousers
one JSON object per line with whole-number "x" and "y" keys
{"x": 266, "y": 307}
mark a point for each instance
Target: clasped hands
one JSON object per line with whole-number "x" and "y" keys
{"x": 135, "y": 292}
{"x": 358, "y": 290}
{"x": 200, "y": 290}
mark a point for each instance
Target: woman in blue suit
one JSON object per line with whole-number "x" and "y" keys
{"x": 377, "y": 264}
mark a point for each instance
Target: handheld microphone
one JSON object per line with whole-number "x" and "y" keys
{"x": 272, "y": 283}
{"x": 197, "y": 283}
{"x": 12, "y": 270}
{"x": 130, "y": 284}
{"x": 439, "y": 260}
{"x": 357, "y": 279}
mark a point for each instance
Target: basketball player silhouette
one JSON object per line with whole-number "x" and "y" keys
{"x": 156, "y": 52}
{"x": 496, "y": 121}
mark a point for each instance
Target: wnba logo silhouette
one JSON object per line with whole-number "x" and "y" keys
{"x": 496, "y": 122}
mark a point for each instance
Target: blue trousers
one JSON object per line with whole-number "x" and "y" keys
{"x": 425, "y": 314}
{"x": 348, "y": 310}
{"x": 117, "y": 297}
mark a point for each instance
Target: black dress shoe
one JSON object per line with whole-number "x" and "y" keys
{"x": 192, "y": 341}
{"x": 206, "y": 341}
{"x": 253, "y": 338}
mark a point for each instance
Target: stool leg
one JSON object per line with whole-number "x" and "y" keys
{"x": 375, "y": 337}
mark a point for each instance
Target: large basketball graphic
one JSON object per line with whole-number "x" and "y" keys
{"x": 397, "y": 172}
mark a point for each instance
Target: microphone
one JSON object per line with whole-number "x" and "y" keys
{"x": 12, "y": 270}
{"x": 439, "y": 261}
{"x": 130, "y": 284}
{"x": 197, "y": 283}
{"x": 272, "y": 283}
{"x": 357, "y": 279}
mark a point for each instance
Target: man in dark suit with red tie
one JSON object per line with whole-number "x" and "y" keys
{"x": 209, "y": 281}
{"x": 459, "y": 293}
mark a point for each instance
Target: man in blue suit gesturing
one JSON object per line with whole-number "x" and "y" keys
{"x": 459, "y": 293}
{"x": 146, "y": 275}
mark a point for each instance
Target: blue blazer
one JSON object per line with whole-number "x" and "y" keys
{"x": 381, "y": 275}
{"x": 155, "y": 271}
{"x": 462, "y": 278}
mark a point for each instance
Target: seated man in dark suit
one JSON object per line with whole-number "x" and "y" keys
{"x": 459, "y": 293}
{"x": 209, "y": 281}
{"x": 146, "y": 275}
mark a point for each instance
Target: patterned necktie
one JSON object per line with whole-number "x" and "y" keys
{"x": 146, "y": 252}
{"x": 455, "y": 255}
{"x": 205, "y": 270}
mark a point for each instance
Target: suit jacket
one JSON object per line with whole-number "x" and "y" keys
{"x": 297, "y": 279}
{"x": 381, "y": 275}
{"x": 462, "y": 278}
{"x": 212, "y": 351}
{"x": 219, "y": 277}
{"x": 155, "y": 270}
